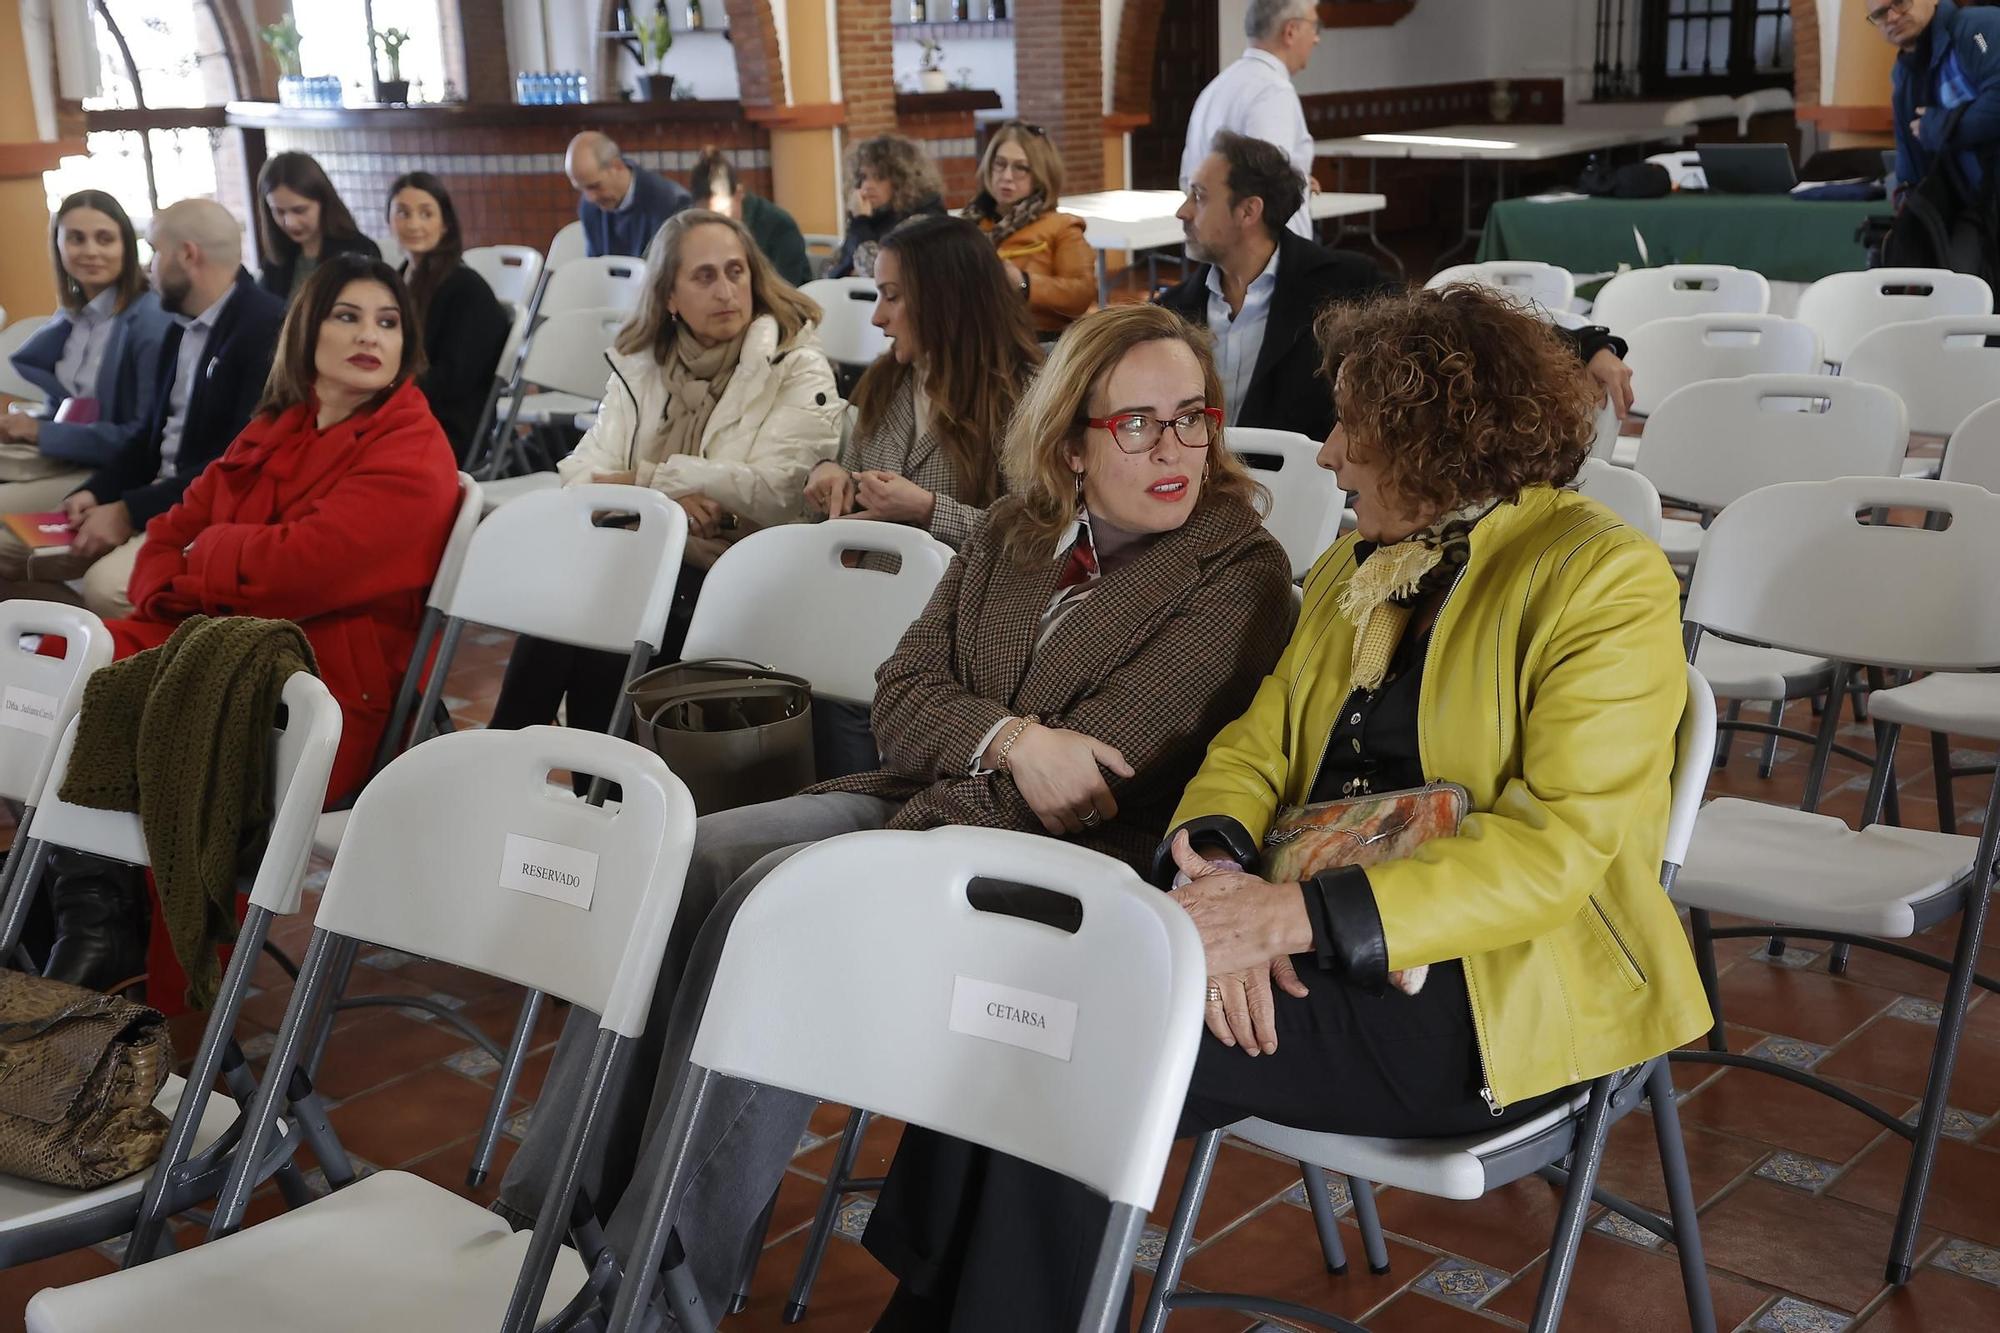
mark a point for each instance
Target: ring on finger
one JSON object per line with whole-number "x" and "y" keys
{"x": 1215, "y": 992}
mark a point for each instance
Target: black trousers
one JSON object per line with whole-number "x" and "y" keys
{"x": 983, "y": 1241}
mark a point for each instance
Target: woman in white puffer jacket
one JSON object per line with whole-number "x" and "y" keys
{"x": 720, "y": 397}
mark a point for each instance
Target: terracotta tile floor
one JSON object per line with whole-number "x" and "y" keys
{"x": 1797, "y": 1193}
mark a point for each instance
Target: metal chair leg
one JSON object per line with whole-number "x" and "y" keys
{"x": 503, "y": 1091}
{"x": 1584, "y": 1161}
{"x": 829, "y": 1208}
{"x": 1941, "y": 770}
{"x": 1704, "y": 962}
{"x": 1725, "y": 734}
{"x": 1372, "y": 1244}
{"x": 1180, "y": 1234}
{"x": 1330, "y": 1248}
{"x": 1769, "y": 763}
{"x": 1680, "y": 1196}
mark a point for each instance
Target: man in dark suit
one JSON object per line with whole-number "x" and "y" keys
{"x": 213, "y": 364}
{"x": 1261, "y": 285}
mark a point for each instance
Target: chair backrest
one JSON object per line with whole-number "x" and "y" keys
{"x": 1847, "y": 307}
{"x": 1801, "y": 566}
{"x": 1973, "y": 456}
{"x": 302, "y": 761}
{"x": 1684, "y": 167}
{"x": 510, "y": 270}
{"x": 1605, "y": 442}
{"x": 462, "y": 850}
{"x": 1941, "y": 368}
{"x": 568, "y": 243}
{"x": 1761, "y": 102}
{"x": 39, "y": 695}
{"x": 541, "y": 564}
{"x": 1666, "y": 354}
{"x": 1546, "y": 285}
{"x": 519, "y": 318}
{"x": 1624, "y": 492}
{"x": 1646, "y": 294}
{"x": 786, "y": 598}
{"x": 1306, "y": 499}
{"x": 846, "y": 334}
{"x": 1694, "y": 110}
{"x": 1694, "y": 755}
{"x": 1716, "y": 440}
{"x": 471, "y": 507}
{"x": 566, "y": 351}
{"x": 614, "y": 282}
{"x": 11, "y": 338}
{"x": 1069, "y": 1050}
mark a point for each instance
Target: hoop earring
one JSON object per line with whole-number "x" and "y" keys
{"x": 1079, "y": 488}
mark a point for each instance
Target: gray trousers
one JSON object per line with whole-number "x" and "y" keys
{"x": 746, "y": 1134}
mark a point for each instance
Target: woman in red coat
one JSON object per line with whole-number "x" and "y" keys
{"x": 331, "y": 509}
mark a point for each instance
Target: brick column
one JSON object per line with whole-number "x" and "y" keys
{"x": 1059, "y": 74}
{"x": 1132, "y": 69}
{"x": 476, "y": 60}
{"x": 867, "y": 74}
{"x": 760, "y": 64}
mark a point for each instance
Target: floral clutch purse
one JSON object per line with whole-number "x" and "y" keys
{"x": 1362, "y": 831}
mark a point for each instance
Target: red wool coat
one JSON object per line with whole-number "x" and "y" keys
{"x": 339, "y": 530}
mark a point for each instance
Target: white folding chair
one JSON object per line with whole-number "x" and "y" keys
{"x": 1666, "y": 354}
{"x": 11, "y": 338}
{"x": 1847, "y": 307}
{"x": 565, "y": 362}
{"x": 1762, "y": 101}
{"x": 615, "y": 282}
{"x": 504, "y": 370}
{"x": 846, "y": 333}
{"x": 1684, "y": 167}
{"x": 1943, "y": 369}
{"x": 1642, "y": 295}
{"x": 1695, "y": 110}
{"x": 568, "y": 243}
{"x": 1624, "y": 492}
{"x": 1605, "y": 443}
{"x": 1094, "y": 1095}
{"x": 459, "y": 850}
{"x": 512, "y": 271}
{"x": 1546, "y": 285}
{"x": 1468, "y": 1168}
{"x": 38, "y": 1220}
{"x": 1714, "y": 442}
{"x": 1306, "y": 499}
{"x": 821, "y": 249}
{"x": 1801, "y": 566}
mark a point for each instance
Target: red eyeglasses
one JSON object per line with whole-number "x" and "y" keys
{"x": 1137, "y": 433}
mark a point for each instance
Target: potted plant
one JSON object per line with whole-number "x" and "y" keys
{"x": 395, "y": 88}
{"x": 656, "y": 38}
{"x": 931, "y": 77}
{"x": 283, "y": 39}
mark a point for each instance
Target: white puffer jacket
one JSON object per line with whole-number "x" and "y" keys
{"x": 779, "y": 415}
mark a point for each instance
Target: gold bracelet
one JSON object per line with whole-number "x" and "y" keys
{"x": 1007, "y": 746}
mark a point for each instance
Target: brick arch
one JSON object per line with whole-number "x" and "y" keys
{"x": 1805, "y": 51}
{"x": 1132, "y": 66}
{"x": 760, "y": 62}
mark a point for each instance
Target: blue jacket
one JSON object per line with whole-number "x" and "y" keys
{"x": 654, "y": 200}
{"x": 126, "y": 381}
{"x": 1958, "y": 63}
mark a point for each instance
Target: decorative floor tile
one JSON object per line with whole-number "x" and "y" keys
{"x": 1977, "y": 1262}
{"x": 1462, "y": 1283}
{"x": 473, "y": 1062}
{"x": 807, "y": 1142}
{"x": 451, "y": 1002}
{"x": 1960, "y": 1125}
{"x": 260, "y": 1046}
{"x": 1913, "y": 1010}
{"x": 1792, "y": 1315}
{"x": 852, "y": 1219}
{"x": 516, "y": 1126}
{"x": 1791, "y": 957}
{"x": 1337, "y": 1194}
{"x": 388, "y": 960}
{"x": 1617, "y": 1224}
{"x": 1152, "y": 1243}
{"x": 316, "y": 877}
{"x": 316, "y": 1178}
{"x": 488, "y": 638}
{"x": 1790, "y": 1052}
{"x": 1803, "y": 1173}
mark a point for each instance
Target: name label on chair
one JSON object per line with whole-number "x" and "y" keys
{"x": 549, "y": 870}
{"x": 1039, "y": 1023}
{"x": 29, "y": 710}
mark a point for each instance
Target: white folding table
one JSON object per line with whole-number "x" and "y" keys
{"x": 1144, "y": 219}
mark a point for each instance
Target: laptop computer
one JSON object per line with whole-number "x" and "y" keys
{"x": 1748, "y": 168}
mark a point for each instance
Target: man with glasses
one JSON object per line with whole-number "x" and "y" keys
{"x": 1946, "y": 96}
{"x": 1254, "y": 97}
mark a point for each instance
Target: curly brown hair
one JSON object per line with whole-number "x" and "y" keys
{"x": 913, "y": 178}
{"x": 1462, "y": 395}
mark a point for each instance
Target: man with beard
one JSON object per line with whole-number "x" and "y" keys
{"x": 212, "y": 365}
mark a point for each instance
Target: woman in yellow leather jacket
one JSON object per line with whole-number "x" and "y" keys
{"x": 1047, "y": 258}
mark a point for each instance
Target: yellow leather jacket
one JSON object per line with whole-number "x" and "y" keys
{"x": 1551, "y": 690}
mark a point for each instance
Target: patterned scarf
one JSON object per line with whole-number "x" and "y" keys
{"x": 1005, "y": 223}
{"x": 695, "y": 375}
{"x": 1392, "y": 580}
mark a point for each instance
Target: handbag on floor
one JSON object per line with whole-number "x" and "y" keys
{"x": 1363, "y": 831}
{"x": 736, "y": 733}
{"x": 78, "y": 1075}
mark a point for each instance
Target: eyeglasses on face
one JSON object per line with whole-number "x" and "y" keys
{"x": 1881, "y": 14}
{"x": 1138, "y": 433}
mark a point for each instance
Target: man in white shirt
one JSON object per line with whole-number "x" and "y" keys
{"x": 1254, "y": 97}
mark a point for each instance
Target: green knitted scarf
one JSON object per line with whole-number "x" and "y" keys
{"x": 182, "y": 735}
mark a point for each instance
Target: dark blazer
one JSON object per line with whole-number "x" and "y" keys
{"x": 1133, "y": 665}
{"x": 276, "y": 276}
{"x": 227, "y": 385}
{"x": 126, "y": 380}
{"x": 464, "y": 330}
{"x": 1286, "y": 390}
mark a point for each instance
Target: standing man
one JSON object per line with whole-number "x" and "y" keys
{"x": 1255, "y": 97}
{"x": 623, "y": 205}
{"x": 1946, "y": 93}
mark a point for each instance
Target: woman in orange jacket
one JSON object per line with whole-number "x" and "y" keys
{"x": 1021, "y": 178}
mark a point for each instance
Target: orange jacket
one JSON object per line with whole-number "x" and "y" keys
{"x": 1061, "y": 268}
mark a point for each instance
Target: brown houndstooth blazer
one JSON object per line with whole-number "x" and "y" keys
{"x": 895, "y": 446}
{"x": 1163, "y": 653}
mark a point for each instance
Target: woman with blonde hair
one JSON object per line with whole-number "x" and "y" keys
{"x": 1128, "y": 547}
{"x": 893, "y": 180}
{"x": 1047, "y": 258}
{"x": 719, "y": 397}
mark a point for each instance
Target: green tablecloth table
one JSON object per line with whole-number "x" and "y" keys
{"x": 1785, "y": 239}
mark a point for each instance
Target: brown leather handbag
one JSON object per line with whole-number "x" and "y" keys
{"x": 1363, "y": 831}
{"x": 78, "y": 1075}
{"x": 736, "y": 733}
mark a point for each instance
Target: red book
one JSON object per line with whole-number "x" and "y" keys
{"x": 41, "y": 532}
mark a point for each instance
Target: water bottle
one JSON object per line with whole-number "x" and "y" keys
{"x": 583, "y": 87}
{"x": 520, "y": 88}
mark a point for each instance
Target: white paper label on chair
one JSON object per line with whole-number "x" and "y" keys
{"x": 549, "y": 870}
{"x": 1039, "y": 1023}
{"x": 29, "y": 710}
